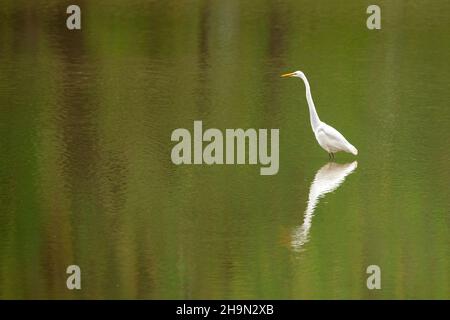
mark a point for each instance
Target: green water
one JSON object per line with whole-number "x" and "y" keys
{"x": 86, "y": 176}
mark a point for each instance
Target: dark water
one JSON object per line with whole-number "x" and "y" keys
{"x": 86, "y": 176}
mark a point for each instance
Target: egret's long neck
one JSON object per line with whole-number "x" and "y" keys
{"x": 314, "y": 118}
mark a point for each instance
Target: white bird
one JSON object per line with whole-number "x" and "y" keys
{"x": 329, "y": 138}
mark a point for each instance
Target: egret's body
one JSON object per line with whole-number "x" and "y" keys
{"x": 329, "y": 138}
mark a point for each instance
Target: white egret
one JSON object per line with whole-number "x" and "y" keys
{"x": 329, "y": 138}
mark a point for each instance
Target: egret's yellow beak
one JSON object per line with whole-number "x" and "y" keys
{"x": 288, "y": 75}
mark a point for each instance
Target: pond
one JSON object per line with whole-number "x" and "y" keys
{"x": 86, "y": 176}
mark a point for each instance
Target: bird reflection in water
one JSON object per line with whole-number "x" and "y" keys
{"x": 326, "y": 180}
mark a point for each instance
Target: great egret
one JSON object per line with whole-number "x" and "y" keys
{"x": 328, "y": 137}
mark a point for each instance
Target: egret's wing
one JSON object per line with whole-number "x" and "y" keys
{"x": 335, "y": 136}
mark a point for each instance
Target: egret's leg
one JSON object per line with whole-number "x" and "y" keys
{"x": 329, "y": 156}
{"x": 332, "y": 155}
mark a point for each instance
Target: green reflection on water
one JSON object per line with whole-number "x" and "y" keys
{"x": 86, "y": 176}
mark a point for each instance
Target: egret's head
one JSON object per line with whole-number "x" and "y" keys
{"x": 297, "y": 74}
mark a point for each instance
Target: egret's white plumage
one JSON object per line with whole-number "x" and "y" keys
{"x": 328, "y": 137}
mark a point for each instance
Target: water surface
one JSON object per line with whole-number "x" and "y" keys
{"x": 85, "y": 170}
